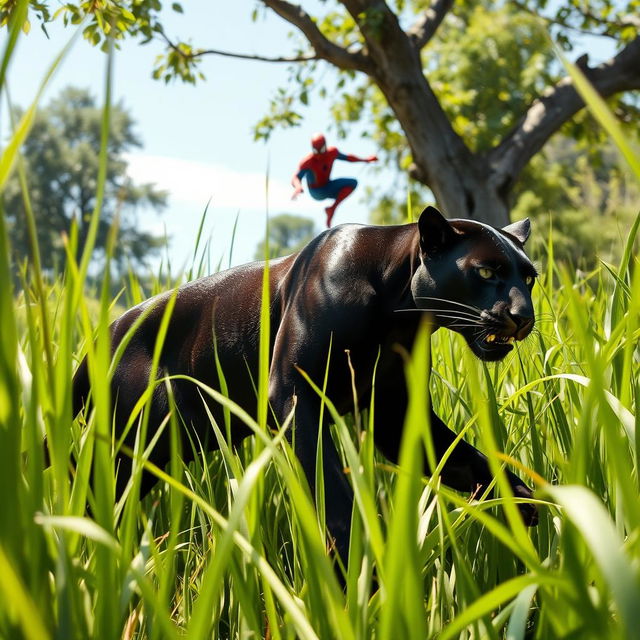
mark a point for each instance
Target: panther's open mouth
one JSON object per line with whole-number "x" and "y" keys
{"x": 493, "y": 338}
{"x": 491, "y": 335}
{"x": 492, "y": 346}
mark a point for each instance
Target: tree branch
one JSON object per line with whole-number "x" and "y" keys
{"x": 549, "y": 112}
{"x": 610, "y": 26}
{"x": 324, "y": 48}
{"x": 628, "y": 20}
{"x": 198, "y": 53}
{"x": 247, "y": 56}
{"x": 426, "y": 26}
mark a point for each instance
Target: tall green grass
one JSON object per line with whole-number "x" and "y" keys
{"x": 233, "y": 545}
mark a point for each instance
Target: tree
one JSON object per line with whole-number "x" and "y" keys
{"x": 287, "y": 234}
{"x": 383, "y": 49}
{"x": 588, "y": 209}
{"x": 61, "y": 158}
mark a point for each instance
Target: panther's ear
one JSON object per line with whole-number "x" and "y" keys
{"x": 435, "y": 231}
{"x": 519, "y": 230}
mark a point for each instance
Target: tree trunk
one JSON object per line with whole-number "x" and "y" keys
{"x": 465, "y": 185}
{"x": 462, "y": 182}
{"x": 471, "y": 197}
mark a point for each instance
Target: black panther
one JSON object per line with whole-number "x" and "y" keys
{"x": 345, "y": 288}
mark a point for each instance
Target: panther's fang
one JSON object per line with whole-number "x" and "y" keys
{"x": 500, "y": 339}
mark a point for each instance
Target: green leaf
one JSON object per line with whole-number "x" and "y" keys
{"x": 82, "y": 526}
{"x": 598, "y": 531}
{"x": 25, "y": 609}
{"x": 602, "y": 113}
{"x": 518, "y": 620}
{"x": 490, "y": 602}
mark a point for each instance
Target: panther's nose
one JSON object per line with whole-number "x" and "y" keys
{"x": 524, "y": 324}
{"x": 520, "y": 312}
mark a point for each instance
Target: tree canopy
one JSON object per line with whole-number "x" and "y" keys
{"x": 61, "y": 157}
{"x": 464, "y": 94}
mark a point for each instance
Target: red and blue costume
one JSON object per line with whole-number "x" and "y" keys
{"x": 316, "y": 168}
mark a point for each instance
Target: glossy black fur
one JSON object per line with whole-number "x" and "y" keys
{"x": 355, "y": 283}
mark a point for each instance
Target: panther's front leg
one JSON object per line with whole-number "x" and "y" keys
{"x": 305, "y": 433}
{"x": 467, "y": 469}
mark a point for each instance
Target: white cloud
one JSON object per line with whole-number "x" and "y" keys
{"x": 195, "y": 182}
{"x": 191, "y": 184}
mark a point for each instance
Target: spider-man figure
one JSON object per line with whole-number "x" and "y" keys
{"x": 317, "y": 168}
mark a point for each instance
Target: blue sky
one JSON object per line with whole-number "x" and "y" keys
{"x": 198, "y": 141}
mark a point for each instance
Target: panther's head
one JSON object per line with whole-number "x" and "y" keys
{"x": 476, "y": 280}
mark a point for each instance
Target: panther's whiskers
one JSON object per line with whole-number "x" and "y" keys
{"x": 468, "y": 306}
{"x": 459, "y": 325}
{"x": 446, "y": 314}
{"x": 446, "y": 310}
{"x": 452, "y": 313}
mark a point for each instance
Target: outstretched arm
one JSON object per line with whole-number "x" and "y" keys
{"x": 349, "y": 157}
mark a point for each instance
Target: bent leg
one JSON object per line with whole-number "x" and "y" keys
{"x": 466, "y": 468}
{"x": 340, "y": 189}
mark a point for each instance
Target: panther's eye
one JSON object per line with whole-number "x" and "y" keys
{"x": 529, "y": 280}
{"x": 485, "y": 273}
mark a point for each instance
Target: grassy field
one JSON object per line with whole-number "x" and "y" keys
{"x": 233, "y": 545}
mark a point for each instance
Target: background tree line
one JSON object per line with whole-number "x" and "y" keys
{"x": 61, "y": 162}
